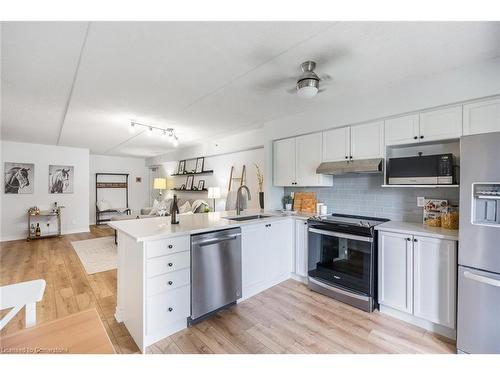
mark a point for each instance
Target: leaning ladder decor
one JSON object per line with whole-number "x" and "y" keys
{"x": 231, "y": 195}
{"x": 110, "y": 185}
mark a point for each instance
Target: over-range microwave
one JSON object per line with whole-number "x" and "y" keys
{"x": 421, "y": 170}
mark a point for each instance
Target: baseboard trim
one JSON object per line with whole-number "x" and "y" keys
{"x": 422, "y": 323}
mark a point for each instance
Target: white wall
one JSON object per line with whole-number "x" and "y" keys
{"x": 75, "y": 216}
{"x": 221, "y": 165}
{"x": 452, "y": 86}
{"x": 138, "y": 191}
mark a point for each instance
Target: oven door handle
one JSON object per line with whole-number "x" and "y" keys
{"x": 341, "y": 235}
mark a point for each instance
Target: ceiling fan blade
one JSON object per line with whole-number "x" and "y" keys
{"x": 292, "y": 90}
{"x": 325, "y": 77}
{"x": 321, "y": 90}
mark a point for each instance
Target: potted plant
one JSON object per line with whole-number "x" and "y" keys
{"x": 260, "y": 181}
{"x": 287, "y": 202}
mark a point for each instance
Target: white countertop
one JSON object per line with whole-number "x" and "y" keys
{"x": 418, "y": 229}
{"x": 159, "y": 227}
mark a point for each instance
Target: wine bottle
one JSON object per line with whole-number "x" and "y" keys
{"x": 38, "y": 231}
{"x": 174, "y": 210}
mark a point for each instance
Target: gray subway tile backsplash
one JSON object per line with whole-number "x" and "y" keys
{"x": 363, "y": 195}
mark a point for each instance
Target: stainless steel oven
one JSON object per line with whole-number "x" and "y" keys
{"x": 342, "y": 258}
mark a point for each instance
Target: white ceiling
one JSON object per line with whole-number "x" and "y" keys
{"x": 79, "y": 84}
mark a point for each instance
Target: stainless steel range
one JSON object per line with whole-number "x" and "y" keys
{"x": 342, "y": 258}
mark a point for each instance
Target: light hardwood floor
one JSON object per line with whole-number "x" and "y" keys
{"x": 287, "y": 318}
{"x": 69, "y": 289}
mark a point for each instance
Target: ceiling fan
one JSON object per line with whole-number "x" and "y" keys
{"x": 307, "y": 85}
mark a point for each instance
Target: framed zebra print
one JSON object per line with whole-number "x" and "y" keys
{"x": 19, "y": 178}
{"x": 61, "y": 179}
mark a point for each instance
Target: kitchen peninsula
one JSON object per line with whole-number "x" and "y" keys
{"x": 154, "y": 265}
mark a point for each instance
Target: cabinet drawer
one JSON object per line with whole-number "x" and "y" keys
{"x": 168, "y": 246}
{"x": 168, "y": 281}
{"x": 168, "y": 263}
{"x": 167, "y": 308}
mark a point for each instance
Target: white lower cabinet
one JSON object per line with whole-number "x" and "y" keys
{"x": 266, "y": 255}
{"x": 165, "y": 309}
{"x": 395, "y": 271}
{"x": 417, "y": 278}
{"x": 300, "y": 266}
{"x": 435, "y": 270}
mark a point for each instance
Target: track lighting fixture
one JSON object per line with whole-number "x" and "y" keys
{"x": 166, "y": 134}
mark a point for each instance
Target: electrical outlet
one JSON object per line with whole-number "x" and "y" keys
{"x": 420, "y": 201}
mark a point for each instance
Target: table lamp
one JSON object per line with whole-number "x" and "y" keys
{"x": 160, "y": 184}
{"x": 214, "y": 193}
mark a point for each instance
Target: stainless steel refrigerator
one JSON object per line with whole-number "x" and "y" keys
{"x": 478, "y": 329}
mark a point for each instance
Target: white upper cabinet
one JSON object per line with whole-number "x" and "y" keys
{"x": 402, "y": 130}
{"x": 284, "y": 162}
{"x": 441, "y": 124}
{"x": 364, "y": 141}
{"x": 367, "y": 141}
{"x": 395, "y": 271}
{"x": 435, "y": 266}
{"x": 307, "y": 159}
{"x": 296, "y": 160}
{"x": 482, "y": 117}
{"x": 336, "y": 144}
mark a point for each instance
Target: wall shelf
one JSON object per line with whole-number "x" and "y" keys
{"x": 420, "y": 186}
{"x": 190, "y": 191}
{"x": 192, "y": 173}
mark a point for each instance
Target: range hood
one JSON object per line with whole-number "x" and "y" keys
{"x": 338, "y": 168}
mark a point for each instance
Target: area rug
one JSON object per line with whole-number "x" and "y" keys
{"x": 98, "y": 254}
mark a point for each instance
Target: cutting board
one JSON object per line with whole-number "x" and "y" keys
{"x": 305, "y": 201}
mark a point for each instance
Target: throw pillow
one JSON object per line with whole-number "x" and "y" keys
{"x": 186, "y": 207}
{"x": 155, "y": 208}
{"x": 103, "y": 205}
{"x": 198, "y": 206}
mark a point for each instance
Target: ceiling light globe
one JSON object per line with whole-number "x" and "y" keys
{"x": 307, "y": 92}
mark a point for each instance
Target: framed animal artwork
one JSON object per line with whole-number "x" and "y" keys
{"x": 61, "y": 179}
{"x": 19, "y": 178}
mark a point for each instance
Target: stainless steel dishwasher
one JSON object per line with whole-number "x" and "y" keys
{"x": 215, "y": 272}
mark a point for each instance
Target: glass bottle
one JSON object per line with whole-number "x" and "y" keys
{"x": 38, "y": 231}
{"x": 174, "y": 210}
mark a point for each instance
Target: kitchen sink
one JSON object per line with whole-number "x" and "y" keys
{"x": 245, "y": 218}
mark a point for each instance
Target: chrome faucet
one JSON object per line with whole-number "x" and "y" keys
{"x": 239, "y": 197}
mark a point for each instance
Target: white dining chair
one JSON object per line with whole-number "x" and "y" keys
{"x": 16, "y": 296}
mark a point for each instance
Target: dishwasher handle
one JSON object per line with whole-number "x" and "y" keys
{"x": 212, "y": 241}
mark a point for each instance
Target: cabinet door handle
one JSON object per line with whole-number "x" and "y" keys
{"x": 415, "y": 137}
{"x": 170, "y": 282}
{"x": 350, "y": 157}
{"x": 421, "y": 137}
{"x": 415, "y": 240}
{"x": 170, "y": 309}
{"x": 170, "y": 246}
{"x": 170, "y": 264}
{"x": 347, "y": 157}
{"x": 408, "y": 239}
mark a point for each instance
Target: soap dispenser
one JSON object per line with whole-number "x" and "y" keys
{"x": 174, "y": 210}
